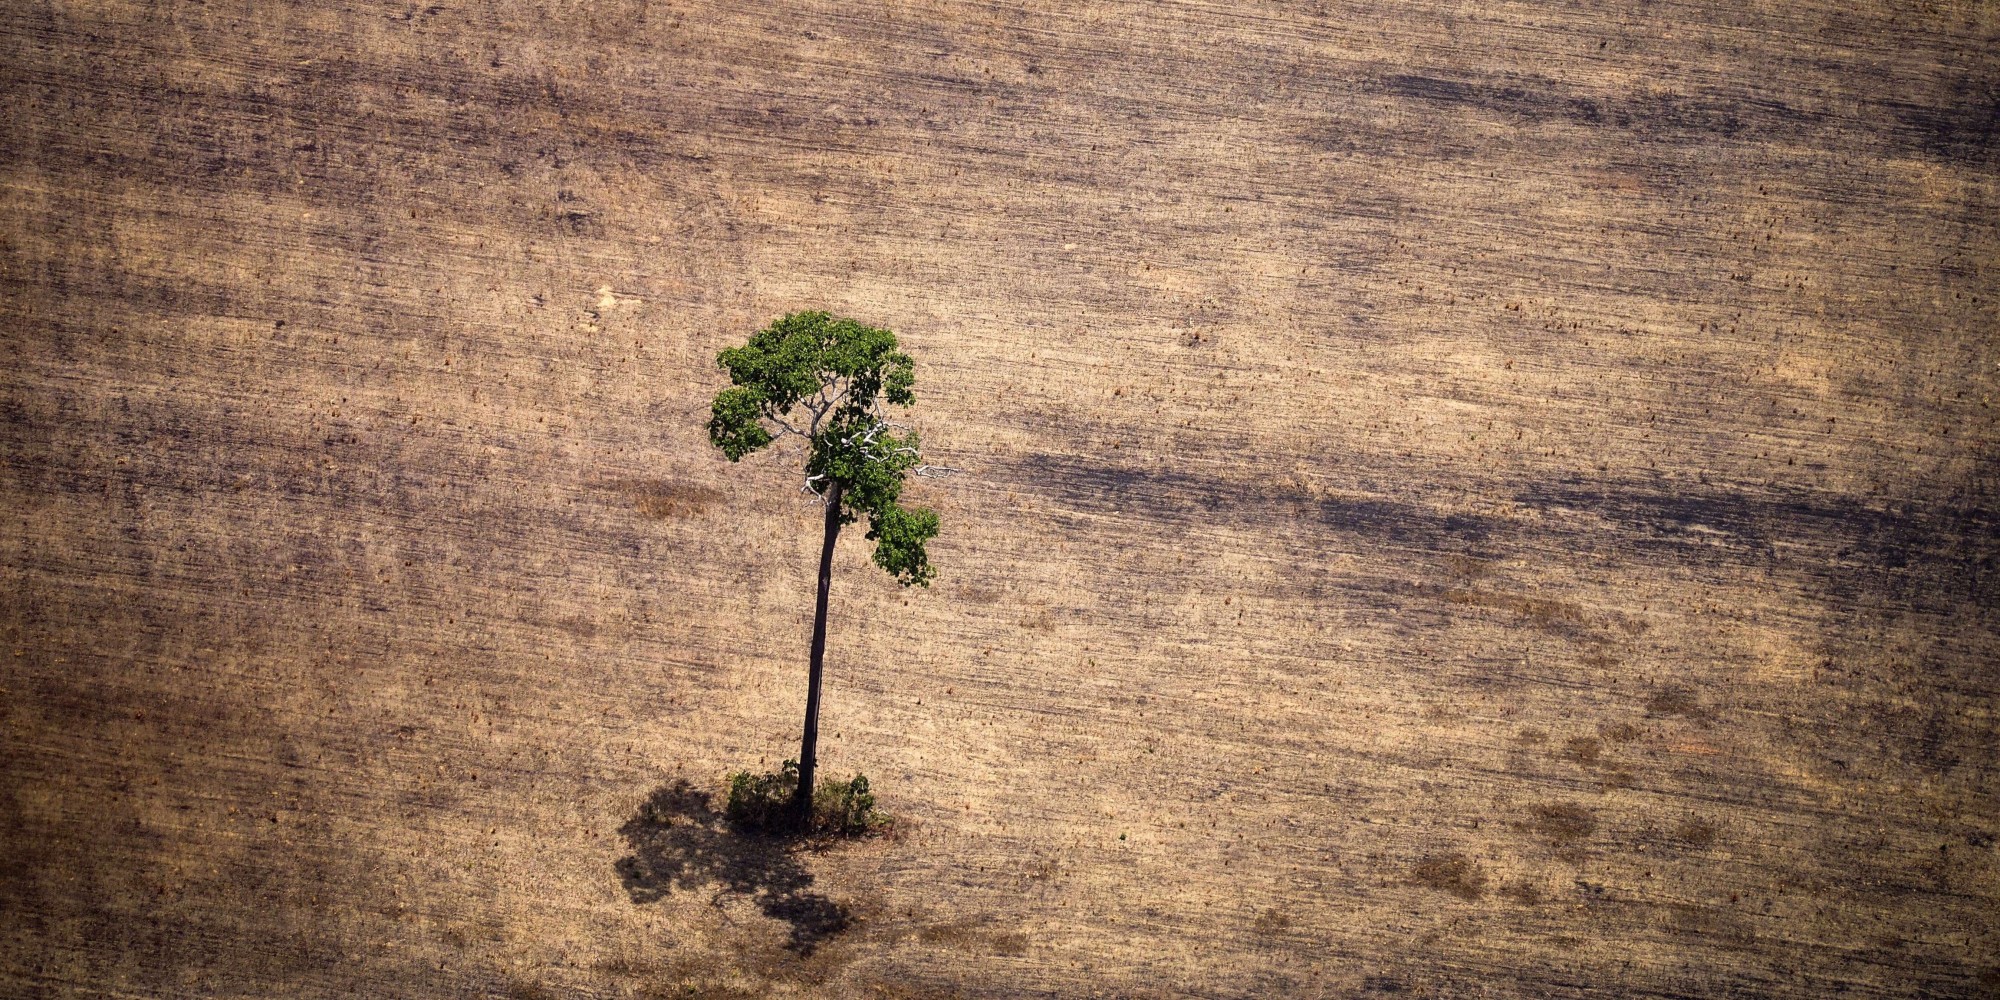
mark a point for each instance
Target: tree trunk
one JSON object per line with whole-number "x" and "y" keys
{"x": 809, "y": 744}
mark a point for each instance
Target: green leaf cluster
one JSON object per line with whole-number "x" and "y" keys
{"x": 826, "y": 379}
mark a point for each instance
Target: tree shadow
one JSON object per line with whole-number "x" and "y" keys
{"x": 680, "y": 842}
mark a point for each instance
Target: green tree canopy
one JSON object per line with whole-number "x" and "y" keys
{"x": 826, "y": 380}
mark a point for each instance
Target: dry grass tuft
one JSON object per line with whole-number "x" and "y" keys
{"x": 1271, "y": 922}
{"x": 1623, "y": 732}
{"x": 1467, "y": 567}
{"x": 1696, "y": 832}
{"x": 1441, "y": 712}
{"x": 1618, "y": 778}
{"x": 971, "y": 936}
{"x": 1564, "y": 824}
{"x": 1675, "y": 701}
{"x": 1012, "y": 944}
{"x": 1452, "y": 872}
{"x": 660, "y": 500}
{"x": 1541, "y": 612}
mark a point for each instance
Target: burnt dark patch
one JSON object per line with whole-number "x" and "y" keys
{"x": 1534, "y": 102}
{"x": 1661, "y": 116}
{"x": 1989, "y": 980}
{"x": 1960, "y": 131}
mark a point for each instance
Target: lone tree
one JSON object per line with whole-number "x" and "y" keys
{"x": 825, "y": 380}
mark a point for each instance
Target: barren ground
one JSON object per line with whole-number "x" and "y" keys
{"x": 1484, "y": 499}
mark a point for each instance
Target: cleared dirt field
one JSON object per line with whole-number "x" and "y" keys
{"x": 1484, "y": 499}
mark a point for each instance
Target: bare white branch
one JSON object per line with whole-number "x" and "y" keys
{"x": 783, "y": 425}
{"x": 868, "y": 438}
{"x": 814, "y": 494}
{"x": 845, "y": 385}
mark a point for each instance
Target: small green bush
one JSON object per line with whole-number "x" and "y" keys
{"x": 845, "y": 808}
{"x": 762, "y": 803}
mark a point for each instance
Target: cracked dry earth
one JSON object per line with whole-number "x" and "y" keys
{"x": 1484, "y": 499}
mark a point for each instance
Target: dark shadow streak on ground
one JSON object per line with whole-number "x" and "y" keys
{"x": 680, "y": 842}
{"x": 1935, "y": 549}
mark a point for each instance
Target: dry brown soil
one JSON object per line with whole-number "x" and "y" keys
{"x": 1461, "y": 499}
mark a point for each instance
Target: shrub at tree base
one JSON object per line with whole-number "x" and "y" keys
{"x": 762, "y": 803}
{"x": 846, "y": 808}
